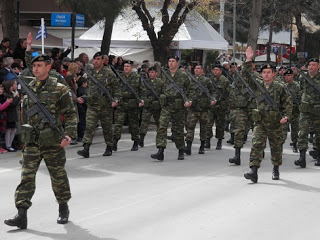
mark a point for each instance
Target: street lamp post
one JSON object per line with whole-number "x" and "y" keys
{"x": 234, "y": 29}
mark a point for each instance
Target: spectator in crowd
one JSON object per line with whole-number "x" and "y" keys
{"x": 112, "y": 60}
{"x": 12, "y": 114}
{"x": 16, "y": 67}
{"x": 80, "y": 63}
{"x": 19, "y": 51}
{"x": 84, "y": 58}
{"x": 4, "y": 103}
{"x": 57, "y": 66}
{"x": 65, "y": 63}
{"x": 5, "y": 46}
{"x": 6, "y": 69}
{"x": 105, "y": 60}
{"x": 57, "y": 55}
{"x": 119, "y": 64}
{"x": 82, "y": 92}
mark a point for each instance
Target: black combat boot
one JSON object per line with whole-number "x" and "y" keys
{"x": 20, "y": 220}
{"x": 236, "y": 159}
{"x": 201, "y": 149}
{"x": 135, "y": 146}
{"x": 108, "y": 151}
{"x": 171, "y": 138}
{"x": 85, "y": 151}
{"x": 187, "y": 149}
{"x": 115, "y": 144}
{"x": 159, "y": 155}
{"x": 219, "y": 144}
{"x": 231, "y": 140}
{"x": 310, "y": 139}
{"x": 141, "y": 140}
{"x": 253, "y": 175}
{"x": 314, "y": 153}
{"x": 207, "y": 143}
{"x": 181, "y": 154}
{"x": 63, "y": 213}
{"x": 302, "y": 160}
{"x": 275, "y": 173}
{"x": 294, "y": 147}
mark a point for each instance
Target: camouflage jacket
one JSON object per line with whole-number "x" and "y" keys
{"x": 157, "y": 85}
{"x": 183, "y": 81}
{"x": 309, "y": 95}
{"x": 201, "y": 101}
{"x": 277, "y": 92}
{"x": 135, "y": 81}
{"x": 109, "y": 80}
{"x": 223, "y": 85}
{"x": 56, "y": 98}
{"x": 295, "y": 90}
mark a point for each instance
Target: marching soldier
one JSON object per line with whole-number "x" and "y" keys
{"x": 217, "y": 113}
{"x": 293, "y": 89}
{"x": 199, "y": 109}
{"x": 151, "y": 107}
{"x": 42, "y": 141}
{"x": 100, "y": 107}
{"x": 132, "y": 90}
{"x": 309, "y": 111}
{"x": 177, "y": 95}
{"x": 273, "y": 110}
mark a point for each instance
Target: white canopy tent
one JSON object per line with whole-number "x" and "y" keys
{"x": 131, "y": 41}
{"x": 263, "y": 58}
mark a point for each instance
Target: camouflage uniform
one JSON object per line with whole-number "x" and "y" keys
{"x": 199, "y": 110}
{"x": 129, "y": 107}
{"x": 294, "y": 88}
{"x": 309, "y": 112}
{"x": 267, "y": 121}
{"x": 151, "y": 107}
{"x": 173, "y": 109}
{"x": 42, "y": 141}
{"x": 99, "y": 105}
{"x": 217, "y": 113}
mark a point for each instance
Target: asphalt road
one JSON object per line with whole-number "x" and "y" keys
{"x": 130, "y": 196}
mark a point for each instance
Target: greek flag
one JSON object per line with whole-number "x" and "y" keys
{"x": 44, "y": 33}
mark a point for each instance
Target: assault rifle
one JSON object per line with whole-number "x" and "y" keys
{"x": 175, "y": 86}
{"x": 228, "y": 74}
{"x": 295, "y": 101}
{"x": 145, "y": 81}
{"x": 265, "y": 95}
{"x": 200, "y": 86}
{"x": 310, "y": 81}
{"x": 129, "y": 87}
{"x": 100, "y": 86}
{"x": 247, "y": 87}
{"x": 221, "y": 93}
{"x": 38, "y": 107}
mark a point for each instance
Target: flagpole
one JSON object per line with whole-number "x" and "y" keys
{"x": 42, "y": 34}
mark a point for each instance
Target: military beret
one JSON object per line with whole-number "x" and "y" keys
{"x": 268, "y": 66}
{"x": 233, "y": 63}
{"x": 282, "y": 67}
{"x": 217, "y": 66}
{"x": 144, "y": 66}
{"x": 98, "y": 54}
{"x": 289, "y": 71}
{"x": 313, "y": 60}
{"x": 152, "y": 69}
{"x": 128, "y": 62}
{"x": 174, "y": 57}
{"x": 41, "y": 58}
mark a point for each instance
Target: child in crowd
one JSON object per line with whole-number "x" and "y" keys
{"x": 4, "y": 103}
{"x": 82, "y": 92}
{"x": 10, "y": 91}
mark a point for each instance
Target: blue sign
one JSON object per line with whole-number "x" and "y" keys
{"x": 61, "y": 19}
{"x": 275, "y": 49}
{"x": 80, "y": 20}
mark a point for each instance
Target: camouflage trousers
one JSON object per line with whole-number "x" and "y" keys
{"x": 216, "y": 116}
{"x": 146, "y": 117}
{"x": 242, "y": 119}
{"x": 261, "y": 132}
{"x": 55, "y": 159}
{"x": 305, "y": 121}
{"x": 231, "y": 119}
{"x": 177, "y": 117}
{"x": 193, "y": 118}
{"x": 294, "y": 127}
{"x": 105, "y": 115}
{"x": 133, "y": 118}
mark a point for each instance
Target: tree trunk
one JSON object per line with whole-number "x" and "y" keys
{"x": 269, "y": 43}
{"x": 161, "y": 51}
{"x": 254, "y": 24}
{"x": 9, "y": 24}
{"x": 301, "y": 33}
{"x": 106, "y": 40}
